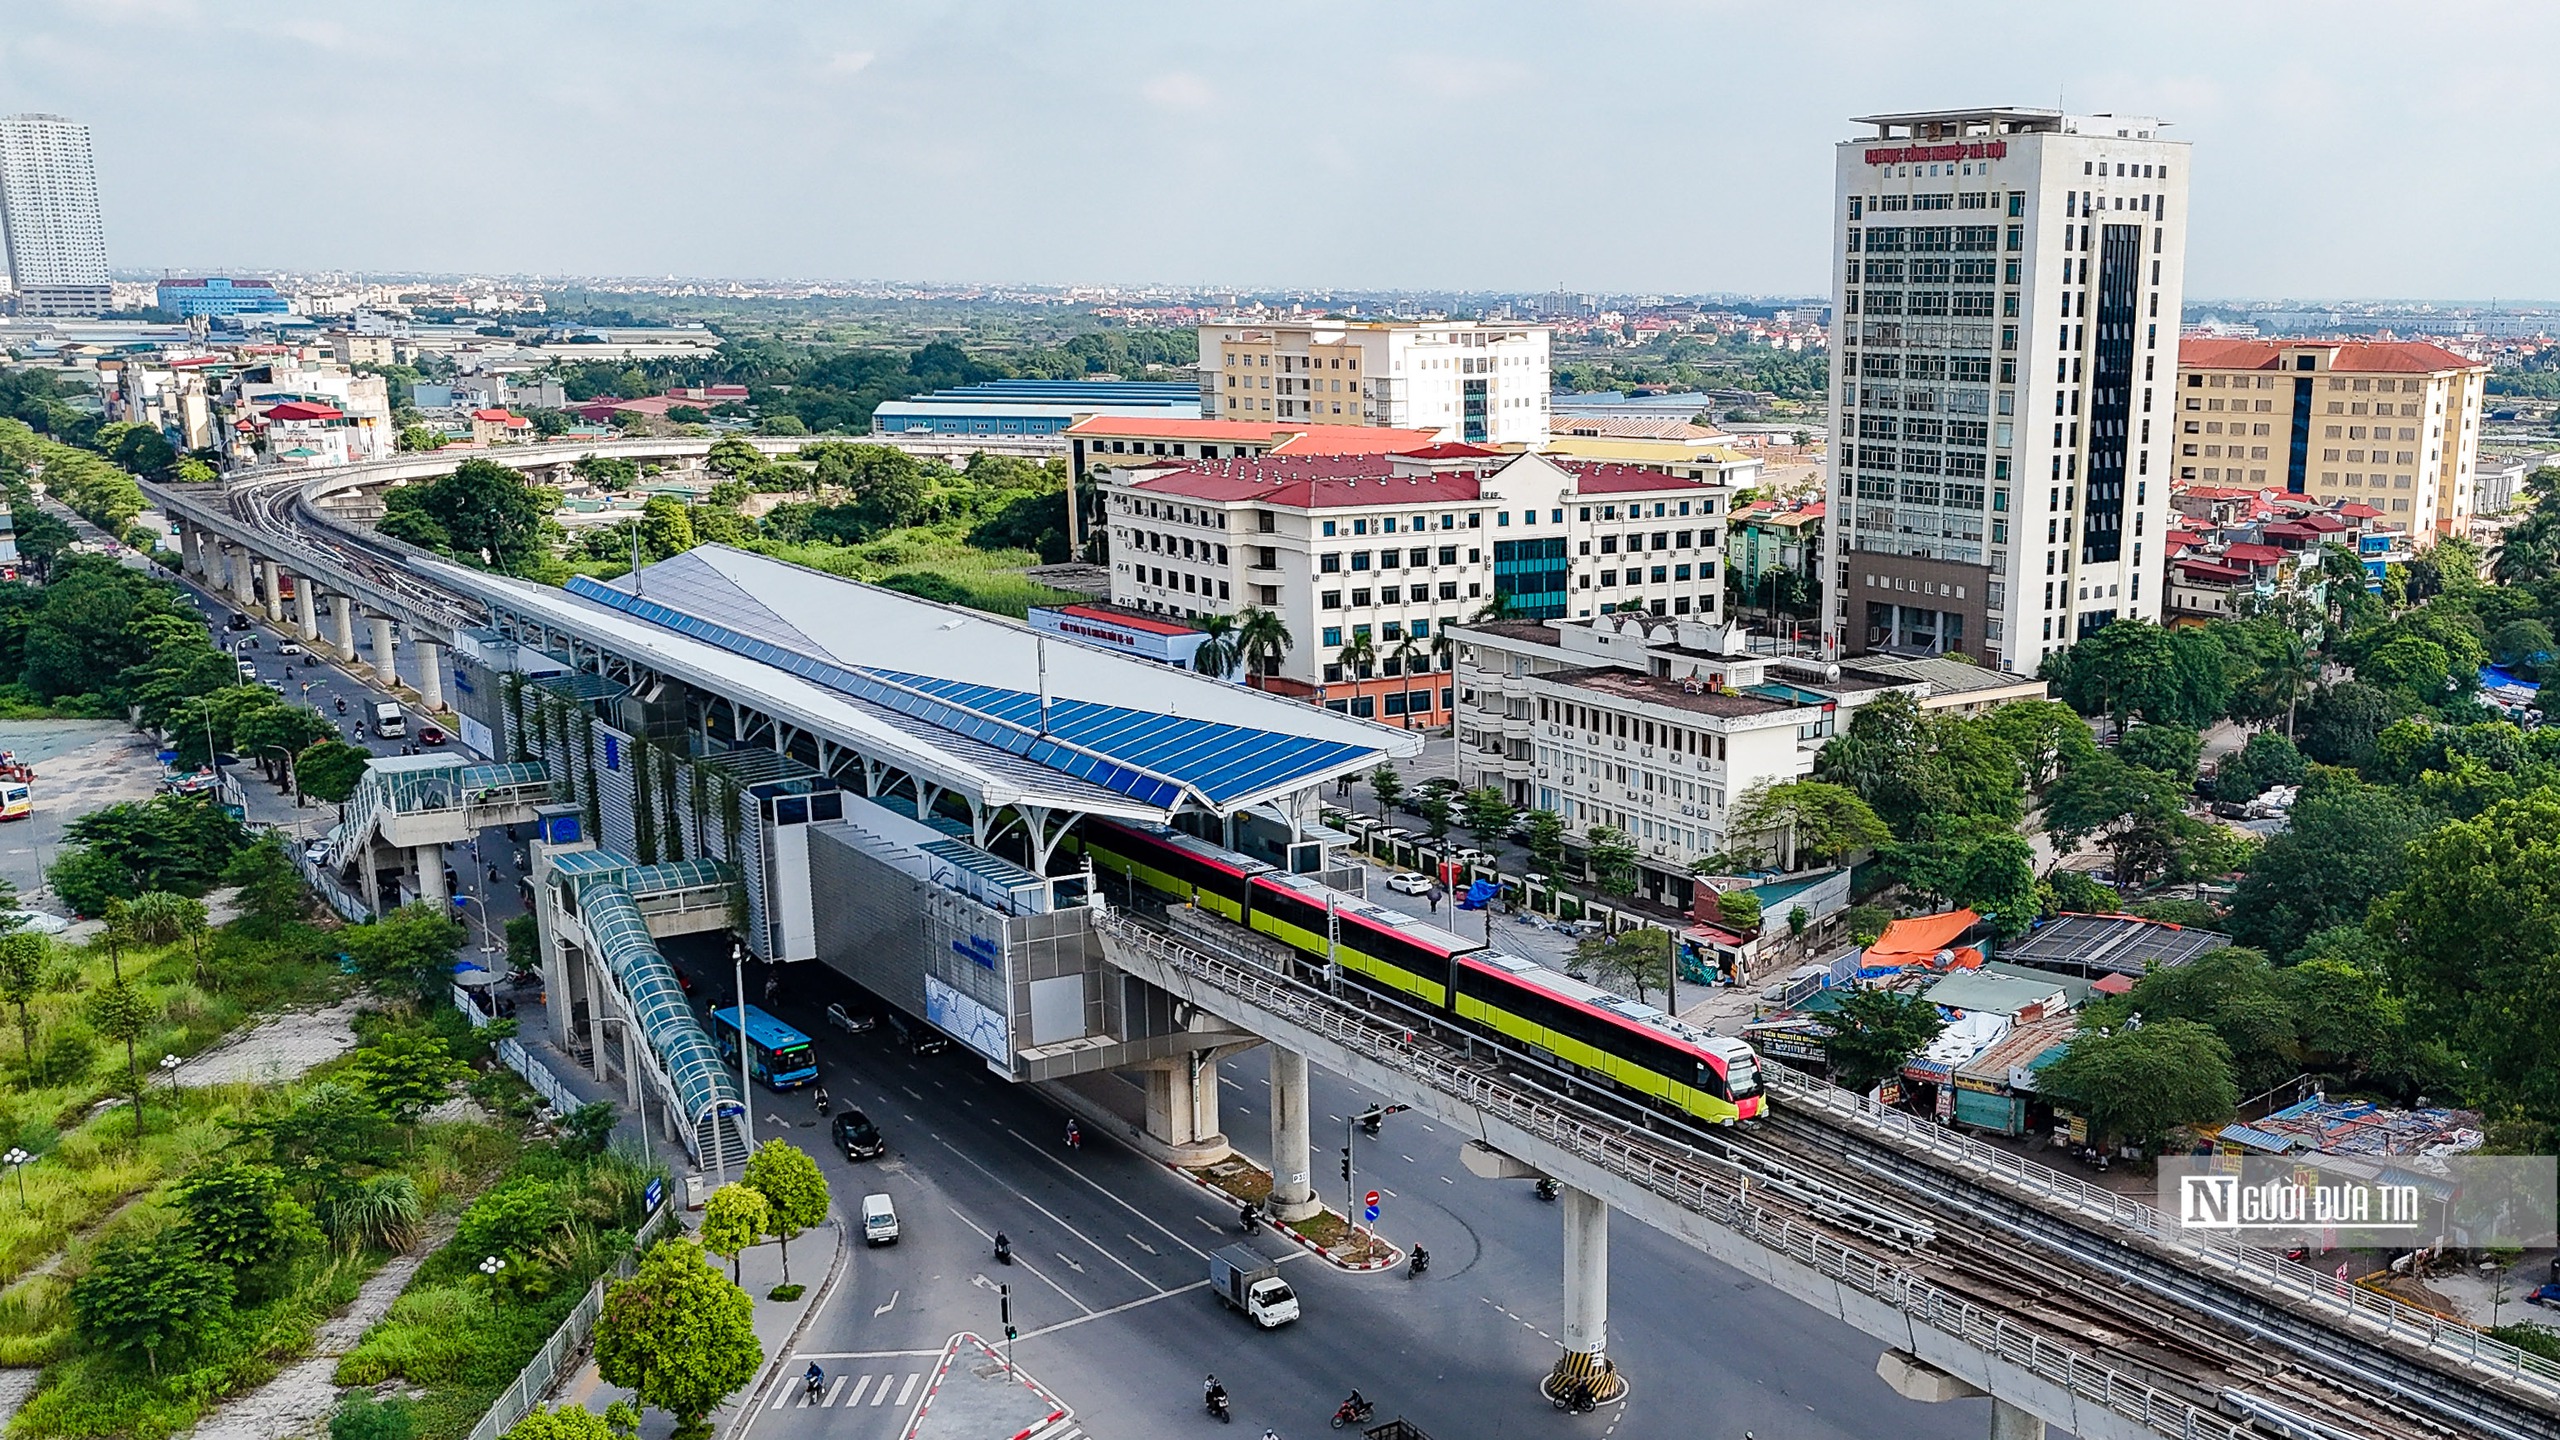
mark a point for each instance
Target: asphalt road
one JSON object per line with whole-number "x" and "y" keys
{"x": 1110, "y": 1297}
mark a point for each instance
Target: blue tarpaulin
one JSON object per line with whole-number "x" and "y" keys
{"x": 1479, "y": 894}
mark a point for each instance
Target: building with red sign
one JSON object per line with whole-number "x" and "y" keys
{"x": 2008, "y": 284}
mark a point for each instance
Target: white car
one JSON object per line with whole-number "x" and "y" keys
{"x": 290, "y": 648}
{"x": 1408, "y": 883}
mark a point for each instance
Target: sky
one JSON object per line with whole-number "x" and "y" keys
{"x": 2341, "y": 149}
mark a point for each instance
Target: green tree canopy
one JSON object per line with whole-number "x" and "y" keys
{"x": 409, "y": 951}
{"x": 2347, "y": 846}
{"x": 2133, "y": 668}
{"x": 735, "y": 1217}
{"x": 1874, "y": 1031}
{"x": 1981, "y": 865}
{"x": 2139, "y": 1084}
{"x": 331, "y": 770}
{"x": 679, "y": 1335}
{"x": 144, "y": 1293}
{"x": 170, "y": 842}
{"x": 407, "y": 1073}
{"x": 794, "y": 1190}
{"x": 2170, "y": 749}
{"x": 1815, "y": 820}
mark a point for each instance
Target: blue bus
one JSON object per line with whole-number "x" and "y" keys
{"x": 776, "y": 1054}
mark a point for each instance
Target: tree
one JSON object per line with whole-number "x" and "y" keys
{"x": 1219, "y": 649}
{"x": 665, "y": 527}
{"x": 171, "y": 842}
{"x": 2233, "y": 992}
{"x": 2343, "y": 720}
{"x": 1639, "y": 959}
{"x": 1873, "y": 1032}
{"x": 2348, "y": 846}
{"x": 1980, "y": 865}
{"x": 2170, "y": 749}
{"x": 118, "y": 1011}
{"x": 1740, "y": 910}
{"x": 407, "y": 1073}
{"x": 1488, "y": 815}
{"x": 2474, "y": 938}
{"x": 2140, "y": 814}
{"x": 331, "y": 770}
{"x": 1436, "y": 813}
{"x": 1545, "y": 840}
{"x": 1818, "y": 820}
{"x": 2133, "y": 667}
{"x": 2268, "y": 760}
{"x": 271, "y": 894}
{"x": 141, "y": 1293}
{"x": 2523, "y": 646}
{"x": 1611, "y": 853}
{"x": 2047, "y": 737}
{"x": 240, "y": 1215}
{"x": 679, "y": 1336}
{"x": 1264, "y": 638}
{"x": 735, "y": 1217}
{"x": 2411, "y": 664}
{"x": 1867, "y": 923}
{"x": 792, "y": 1186}
{"x": 24, "y": 956}
{"x": 277, "y": 734}
{"x": 1911, "y": 767}
{"x": 588, "y": 1129}
{"x": 1358, "y": 656}
{"x": 1387, "y": 785}
{"x": 409, "y": 951}
{"x": 2140, "y": 1083}
{"x": 733, "y": 457}
{"x": 483, "y": 513}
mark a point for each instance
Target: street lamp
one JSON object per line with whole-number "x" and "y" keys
{"x": 17, "y": 1160}
{"x": 169, "y": 1066}
{"x": 491, "y": 1266}
{"x": 488, "y": 943}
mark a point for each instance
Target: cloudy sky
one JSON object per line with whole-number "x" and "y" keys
{"x": 2342, "y": 149}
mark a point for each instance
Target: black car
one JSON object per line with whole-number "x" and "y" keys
{"x": 857, "y": 1137}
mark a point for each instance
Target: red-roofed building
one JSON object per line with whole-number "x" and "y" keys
{"x": 499, "y": 427}
{"x": 1357, "y": 545}
{"x": 2392, "y": 423}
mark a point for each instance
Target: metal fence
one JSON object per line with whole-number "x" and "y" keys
{"x": 569, "y": 1342}
{"x": 538, "y": 1075}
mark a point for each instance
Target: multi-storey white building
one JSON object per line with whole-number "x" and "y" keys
{"x": 1393, "y": 549}
{"x": 49, "y": 216}
{"x": 1469, "y": 381}
{"x": 2008, "y": 286}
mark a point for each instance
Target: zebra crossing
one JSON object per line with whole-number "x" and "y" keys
{"x": 849, "y": 1390}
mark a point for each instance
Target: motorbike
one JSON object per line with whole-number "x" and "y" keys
{"x": 816, "y": 1382}
{"x": 1421, "y": 1261}
{"x": 1249, "y": 1217}
{"x": 1218, "y": 1407}
{"x": 1352, "y": 1412}
{"x": 1578, "y": 1400}
{"x": 822, "y": 1104}
{"x": 1004, "y": 1250}
{"x": 1547, "y": 1190}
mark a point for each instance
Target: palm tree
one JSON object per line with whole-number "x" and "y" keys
{"x": 1410, "y": 656}
{"x": 1220, "y": 647}
{"x": 1357, "y": 657}
{"x": 1497, "y": 608}
{"x": 2285, "y": 676}
{"x": 1264, "y": 638}
{"x": 2530, "y": 551}
{"x": 1444, "y": 651}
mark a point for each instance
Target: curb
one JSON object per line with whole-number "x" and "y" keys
{"x": 1058, "y": 1409}
{"x": 773, "y": 1368}
{"x": 1395, "y": 1255}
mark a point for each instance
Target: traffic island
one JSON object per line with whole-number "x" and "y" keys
{"x": 1324, "y": 1234}
{"x": 978, "y": 1394}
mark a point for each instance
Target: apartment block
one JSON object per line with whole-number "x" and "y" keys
{"x": 2391, "y": 424}
{"x": 49, "y": 216}
{"x": 1380, "y": 554}
{"x": 1473, "y": 382}
{"x": 2008, "y": 285}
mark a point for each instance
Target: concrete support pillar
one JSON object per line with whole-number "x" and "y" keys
{"x": 244, "y": 578}
{"x": 1586, "y": 1300}
{"x": 386, "y": 669}
{"x": 191, "y": 549}
{"x": 274, "y": 579}
{"x": 426, "y": 662}
{"x": 1293, "y": 1191}
{"x": 430, "y": 861}
{"x": 342, "y": 625}
{"x": 2008, "y": 1422}
{"x": 1182, "y": 1105}
{"x": 306, "y": 599}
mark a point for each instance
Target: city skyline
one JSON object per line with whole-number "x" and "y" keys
{"x": 1118, "y": 149}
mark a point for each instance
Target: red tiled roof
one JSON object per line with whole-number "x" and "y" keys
{"x": 2323, "y": 523}
{"x": 1313, "y": 482}
{"x": 2112, "y": 984}
{"x": 1452, "y": 450}
{"x": 2208, "y": 569}
{"x": 2289, "y": 530}
{"x": 1129, "y": 619}
{"x": 1592, "y": 477}
{"x": 492, "y": 415}
{"x": 2357, "y": 511}
{"x": 2253, "y": 554}
{"x": 305, "y": 410}
{"x": 2404, "y": 357}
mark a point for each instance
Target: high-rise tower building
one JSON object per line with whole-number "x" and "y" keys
{"x": 2005, "y": 344}
{"x": 49, "y": 216}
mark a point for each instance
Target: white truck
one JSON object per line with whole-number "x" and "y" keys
{"x": 388, "y": 722}
{"x": 1247, "y": 1282}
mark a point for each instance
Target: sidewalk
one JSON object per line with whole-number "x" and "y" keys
{"x": 816, "y": 1258}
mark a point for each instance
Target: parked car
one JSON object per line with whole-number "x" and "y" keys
{"x": 857, "y": 1137}
{"x": 1409, "y": 883}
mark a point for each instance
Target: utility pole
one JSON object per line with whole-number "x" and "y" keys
{"x": 1004, "y": 1303}
{"x": 746, "y": 1097}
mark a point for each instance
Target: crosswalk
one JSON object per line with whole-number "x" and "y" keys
{"x": 850, "y": 1391}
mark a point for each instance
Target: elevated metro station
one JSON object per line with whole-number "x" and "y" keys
{"x": 866, "y": 781}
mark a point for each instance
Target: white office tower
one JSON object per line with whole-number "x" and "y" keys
{"x": 2005, "y": 345}
{"x": 49, "y": 216}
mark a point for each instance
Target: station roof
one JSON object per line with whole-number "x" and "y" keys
{"x": 957, "y": 693}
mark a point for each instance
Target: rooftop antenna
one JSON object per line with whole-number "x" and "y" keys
{"x": 1041, "y": 644}
{"x": 635, "y": 559}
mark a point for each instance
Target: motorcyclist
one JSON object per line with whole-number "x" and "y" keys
{"x": 815, "y": 1380}
{"x": 1355, "y": 1404}
{"x": 822, "y": 1099}
{"x": 1075, "y": 1137}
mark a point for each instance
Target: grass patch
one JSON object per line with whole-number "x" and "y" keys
{"x": 786, "y": 1292}
{"x": 1337, "y": 1238}
{"x": 937, "y": 564}
{"x": 462, "y": 1339}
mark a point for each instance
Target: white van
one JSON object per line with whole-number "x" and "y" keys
{"x": 879, "y": 1221}
{"x": 388, "y": 722}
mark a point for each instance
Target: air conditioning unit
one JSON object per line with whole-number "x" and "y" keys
{"x": 1645, "y": 750}
{"x": 1621, "y": 744}
{"x": 1688, "y": 809}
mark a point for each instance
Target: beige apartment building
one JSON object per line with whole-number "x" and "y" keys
{"x": 2391, "y": 424}
{"x": 1483, "y": 384}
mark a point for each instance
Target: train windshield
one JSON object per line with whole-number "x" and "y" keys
{"x": 1742, "y": 1073}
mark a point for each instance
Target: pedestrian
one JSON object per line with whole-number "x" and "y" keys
{"x": 1434, "y": 898}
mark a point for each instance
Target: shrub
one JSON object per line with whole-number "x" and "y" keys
{"x": 365, "y": 1418}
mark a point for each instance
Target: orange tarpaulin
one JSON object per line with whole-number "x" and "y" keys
{"x": 1920, "y": 939}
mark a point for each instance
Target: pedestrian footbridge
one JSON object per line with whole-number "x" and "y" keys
{"x": 414, "y": 805}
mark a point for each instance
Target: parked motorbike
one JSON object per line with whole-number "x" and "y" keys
{"x": 1547, "y": 1190}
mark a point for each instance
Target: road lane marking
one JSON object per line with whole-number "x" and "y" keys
{"x": 1072, "y": 1265}
{"x": 836, "y": 1390}
{"x": 1408, "y": 1159}
{"x": 1128, "y": 1305}
{"x": 891, "y": 1305}
{"x": 881, "y": 1397}
{"x": 857, "y": 1393}
{"x": 1025, "y": 1264}
{"x": 1107, "y": 1193}
{"x": 1134, "y": 1240}
{"x": 909, "y": 1389}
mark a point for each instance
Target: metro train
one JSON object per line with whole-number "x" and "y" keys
{"x": 1637, "y": 1047}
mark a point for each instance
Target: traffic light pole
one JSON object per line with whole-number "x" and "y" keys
{"x": 1004, "y": 1304}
